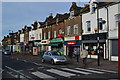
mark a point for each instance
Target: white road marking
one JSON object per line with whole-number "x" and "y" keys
{"x": 90, "y": 70}
{"x": 75, "y": 71}
{"x": 103, "y": 70}
{"x": 61, "y": 73}
{"x": 42, "y": 75}
{"x": 37, "y": 64}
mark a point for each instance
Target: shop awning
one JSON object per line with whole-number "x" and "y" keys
{"x": 53, "y": 44}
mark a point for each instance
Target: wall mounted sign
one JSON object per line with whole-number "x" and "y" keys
{"x": 71, "y": 42}
{"x": 60, "y": 35}
{"x": 77, "y": 37}
{"x": 59, "y": 40}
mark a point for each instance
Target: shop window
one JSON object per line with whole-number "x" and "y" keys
{"x": 88, "y": 25}
{"x": 54, "y": 34}
{"x": 76, "y": 29}
{"x": 68, "y": 30}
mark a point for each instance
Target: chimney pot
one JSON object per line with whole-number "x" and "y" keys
{"x": 50, "y": 14}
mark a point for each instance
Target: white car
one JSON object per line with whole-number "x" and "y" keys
{"x": 53, "y": 57}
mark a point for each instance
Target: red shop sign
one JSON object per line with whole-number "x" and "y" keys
{"x": 71, "y": 42}
{"x": 60, "y": 35}
{"x": 77, "y": 37}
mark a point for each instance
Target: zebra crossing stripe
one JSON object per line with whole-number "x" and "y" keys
{"x": 42, "y": 75}
{"x": 75, "y": 71}
{"x": 103, "y": 70}
{"x": 61, "y": 73}
{"x": 90, "y": 70}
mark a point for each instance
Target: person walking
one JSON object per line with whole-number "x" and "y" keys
{"x": 84, "y": 55}
{"x": 78, "y": 54}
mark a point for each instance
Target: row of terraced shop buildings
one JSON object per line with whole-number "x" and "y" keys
{"x": 73, "y": 30}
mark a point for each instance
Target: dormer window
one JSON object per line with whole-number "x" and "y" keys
{"x": 71, "y": 14}
{"x": 92, "y": 8}
{"x": 38, "y": 25}
{"x": 57, "y": 20}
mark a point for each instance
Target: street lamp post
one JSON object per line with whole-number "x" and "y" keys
{"x": 98, "y": 60}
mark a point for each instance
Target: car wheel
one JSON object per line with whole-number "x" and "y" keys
{"x": 52, "y": 61}
{"x": 43, "y": 60}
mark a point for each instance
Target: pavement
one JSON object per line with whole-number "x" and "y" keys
{"x": 91, "y": 63}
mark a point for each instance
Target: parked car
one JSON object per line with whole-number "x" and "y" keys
{"x": 53, "y": 57}
{"x": 6, "y": 52}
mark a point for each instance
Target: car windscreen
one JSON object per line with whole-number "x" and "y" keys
{"x": 55, "y": 53}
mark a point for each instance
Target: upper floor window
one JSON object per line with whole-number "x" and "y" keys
{"x": 71, "y": 14}
{"x": 76, "y": 29}
{"x": 49, "y": 35}
{"x": 68, "y": 30}
{"x": 117, "y": 19}
{"x": 54, "y": 34}
{"x": 60, "y": 31}
{"x": 37, "y": 36}
{"x": 88, "y": 25}
{"x": 44, "y": 35}
{"x": 40, "y": 36}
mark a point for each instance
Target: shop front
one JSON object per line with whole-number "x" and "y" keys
{"x": 18, "y": 47}
{"x": 90, "y": 43}
{"x": 71, "y": 46}
{"x": 26, "y": 48}
{"x": 37, "y": 44}
{"x": 57, "y": 44}
{"x": 44, "y": 44}
{"x": 21, "y": 47}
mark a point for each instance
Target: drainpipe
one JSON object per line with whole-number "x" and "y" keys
{"x": 108, "y": 31}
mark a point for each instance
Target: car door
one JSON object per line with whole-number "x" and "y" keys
{"x": 45, "y": 56}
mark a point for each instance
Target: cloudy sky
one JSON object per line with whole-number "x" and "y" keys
{"x": 15, "y": 15}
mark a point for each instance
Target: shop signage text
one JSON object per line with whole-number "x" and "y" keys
{"x": 71, "y": 42}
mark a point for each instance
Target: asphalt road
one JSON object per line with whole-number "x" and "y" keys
{"x": 34, "y": 69}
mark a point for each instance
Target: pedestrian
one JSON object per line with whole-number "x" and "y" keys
{"x": 78, "y": 54}
{"x": 84, "y": 55}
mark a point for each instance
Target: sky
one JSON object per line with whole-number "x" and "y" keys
{"x": 15, "y": 15}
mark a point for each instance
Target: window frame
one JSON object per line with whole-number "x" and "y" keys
{"x": 76, "y": 29}
{"x": 55, "y": 34}
{"x": 88, "y": 24}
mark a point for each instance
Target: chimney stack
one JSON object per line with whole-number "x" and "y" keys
{"x": 86, "y": 5}
{"x": 50, "y": 14}
{"x": 74, "y": 3}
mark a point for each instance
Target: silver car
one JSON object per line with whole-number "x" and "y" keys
{"x": 54, "y": 57}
